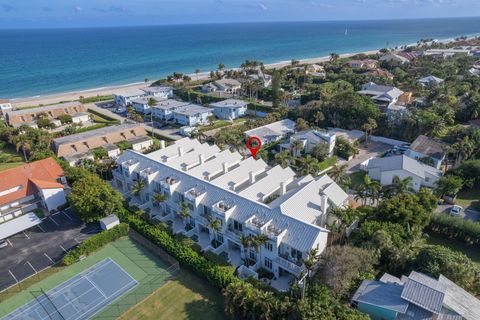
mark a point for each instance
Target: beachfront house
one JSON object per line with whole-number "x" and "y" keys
{"x": 246, "y": 196}
{"x": 229, "y": 109}
{"x": 264, "y": 79}
{"x": 394, "y": 58}
{"x": 273, "y": 132}
{"x": 310, "y": 139}
{"x": 365, "y": 64}
{"x": 223, "y": 86}
{"x": 192, "y": 115}
{"x": 161, "y": 93}
{"x": 125, "y": 97}
{"x": 5, "y": 106}
{"x": 382, "y": 96}
{"x": 80, "y": 146}
{"x": 30, "y": 116}
{"x": 163, "y": 110}
{"x": 417, "y": 296}
{"x": 430, "y": 81}
{"x": 141, "y": 105}
{"x": 402, "y": 166}
{"x": 38, "y": 184}
{"x": 447, "y": 53}
{"x": 429, "y": 150}
{"x": 381, "y": 74}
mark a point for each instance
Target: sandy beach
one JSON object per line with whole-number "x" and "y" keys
{"x": 74, "y": 95}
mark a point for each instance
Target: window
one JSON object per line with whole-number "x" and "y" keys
{"x": 268, "y": 263}
{"x": 237, "y": 225}
{"x": 252, "y": 255}
{"x": 269, "y": 246}
{"x": 296, "y": 254}
{"x": 220, "y": 237}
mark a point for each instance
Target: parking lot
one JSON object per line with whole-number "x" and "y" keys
{"x": 39, "y": 247}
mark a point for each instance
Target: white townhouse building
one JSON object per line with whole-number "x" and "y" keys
{"x": 309, "y": 139}
{"x": 192, "y": 115}
{"x": 245, "y": 195}
{"x": 126, "y": 97}
{"x": 225, "y": 86}
{"x": 229, "y": 109}
{"x": 163, "y": 110}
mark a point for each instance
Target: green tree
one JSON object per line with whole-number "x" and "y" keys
{"x": 398, "y": 186}
{"x": 320, "y": 151}
{"x": 184, "y": 211}
{"x": 138, "y": 187}
{"x": 297, "y": 147}
{"x": 449, "y": 185}
{"x": 65, "y": 118}
{"x": 92, "y": 198}
{"x": 284, "y": 158}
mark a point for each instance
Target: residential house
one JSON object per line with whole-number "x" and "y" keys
{"x": 81, "y": 117}
{"x": 446, "y": 53}
{"x": 381, "y": 74}
{"x": 352, "y": 136}
{"x": 273, "y": 132}
{"x": 316, "y": 71}
{"x": 428, "y": 148}
{"x": 77, "y": 146}
{"x": 161, "y": 93}
{"x": 365, "y": 64}
{"x": 475, "y": 70}
{"x": 229, "y": 109}
{"x": 309, "y": 139}
{"x": 192, "y": 115}
{"x": 395, "y": 58}
{"x": 125, "y": 97}
{"x": 5, "y": 106}
{"x": 30, "y": 116}
{"x": 141, "y": 143}
{"x": 263, "y": 78}
{"x": 417, "y": 296}
{"x": 223, "y": 86}
{"x": 163, "y": 110}
{"x": 141, "y": 105}
{"x": 245, "y": 195}
{"x": 385, "y": 169}
{"x": 430, "y": 81}
{"x": 38, "y": 184}
{"x": 382, "y": 96}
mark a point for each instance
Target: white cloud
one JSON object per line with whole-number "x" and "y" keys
{"x": 77, "y": 9}
{"x": 263, "y": 7}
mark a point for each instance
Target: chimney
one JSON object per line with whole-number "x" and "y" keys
{"x": 252, "y": 177}
{"x": 201, "y": 158}
{"x": 225, "y": 167}
{"x": 162, "y": 144}
{"x": 283, "y": 188}
{"x": 324, "y": 203}
{"x": 180, "y": 151}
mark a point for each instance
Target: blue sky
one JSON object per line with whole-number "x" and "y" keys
{"x": 86, "y": 13}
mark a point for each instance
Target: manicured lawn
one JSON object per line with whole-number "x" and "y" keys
{"x": 466, "y": 197}
{"x": 186, "y": 297}
{"x": 471, "y": 251}
{"x": 356, "y": 178}
{"x": 217, "y": 124}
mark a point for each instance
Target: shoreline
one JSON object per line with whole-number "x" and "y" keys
{"x": 22, "y": 102}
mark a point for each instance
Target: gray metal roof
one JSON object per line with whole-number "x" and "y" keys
{"x": 139, "y": 139}
{"x": 46, "y": 108}
{"x": 170, "y": 104}
{"x": 229, "y": 103}
{"x": 381, "y": 294}
{"x": 460, "y": 300}
{"x": 424, "y": 291}
{"x": 93, "y": 133}
{"x": 402, "y": 162}
{"x": 192, "y": 110}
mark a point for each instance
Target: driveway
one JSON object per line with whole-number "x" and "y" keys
{"x": 374, "y": 149}
{"x": 467, "y": 214}
{"x": 39, "y": 247}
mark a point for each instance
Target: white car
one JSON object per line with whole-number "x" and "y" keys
{"x": 456, "y": 210}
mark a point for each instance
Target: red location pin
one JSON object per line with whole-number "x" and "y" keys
{"x": 254, "y": 144}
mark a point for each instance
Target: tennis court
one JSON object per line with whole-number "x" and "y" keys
{"x": 79, "y": 297}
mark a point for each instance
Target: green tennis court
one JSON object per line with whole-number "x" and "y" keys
{"x": 145, "y": 270}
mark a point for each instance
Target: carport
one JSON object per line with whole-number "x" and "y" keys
{"x": 9, "y": 228}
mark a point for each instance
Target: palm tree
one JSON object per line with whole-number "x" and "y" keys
{"x": 284, "y": 158}
{"x": 308, "y": 165}
{"x": 246, "y": 242}
{"x": 368, "y": 127}
{"x": 259, "y": 241}
{"x": 309, "y": 263}
{"x": 297, "y": 147}
{"x": 334, "y": 57}
{"x": 21, "y": 141}
{"x": 369, "y": 189}
{"x": 398, "y": 186}
{"x": 138, "y": 187}
{"x": 184, "y": 211}
{"x": 197, "y": 72}
{"x": 146, "y": 81}
{"x": 215, "y": 225}
{"x": 221, "y": 67}
{"x": 151, "y": 103}
{"x": 319, "y": 117}
{"x": 159, "y": 197}
{"x": 337, "y": 172}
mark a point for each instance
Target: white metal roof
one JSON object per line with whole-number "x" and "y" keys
{"x": 269, "y": 184}
{"x": 241, "y": 173}
{"x": 215, "y": 165}
{"x": 19, "y": 224}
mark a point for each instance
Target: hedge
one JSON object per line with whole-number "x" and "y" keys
{"x": 103, "y": 116}
{"x": 95, "y": 242}
{"x": 456, "y": 228}
{"x": 219, "y": 276}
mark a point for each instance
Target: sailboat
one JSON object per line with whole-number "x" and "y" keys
{"x": 346, "y": 31}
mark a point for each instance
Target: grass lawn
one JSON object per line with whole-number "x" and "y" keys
{"x": 186, "y": 297}
{"x": 217, "y": 124}
{"x": 9, "y": 157}
{"x": 356, "y": 178}
{"x": 466, "y": 197}
{"x": 471, "y": 251}
{"x": 9, "y": 165}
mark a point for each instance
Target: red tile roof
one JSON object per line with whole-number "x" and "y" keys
{"x": 30, "y": 177}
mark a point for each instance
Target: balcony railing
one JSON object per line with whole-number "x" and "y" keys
{"x": 289, "y": 265}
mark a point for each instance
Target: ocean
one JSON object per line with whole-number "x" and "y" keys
{"x": 48, "y": 61}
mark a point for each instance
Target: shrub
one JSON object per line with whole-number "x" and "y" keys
{"x": 344, "y": 149}
{"x": 65, "y": 118}
{"x": 456, "y": 228}
{"x": 94, "y": 243}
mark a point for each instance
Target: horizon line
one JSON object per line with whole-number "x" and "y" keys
{"x": 232, "y": 23}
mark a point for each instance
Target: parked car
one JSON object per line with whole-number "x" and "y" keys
{"x": 456, "y": 210}
{"x": 3, "y": 244}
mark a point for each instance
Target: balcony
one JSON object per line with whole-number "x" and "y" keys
{"x": 167, "y": 184}
{"x": 294, "y": 267}
{"x": 193, "y": 194}
{"x": 234, "y": 234}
